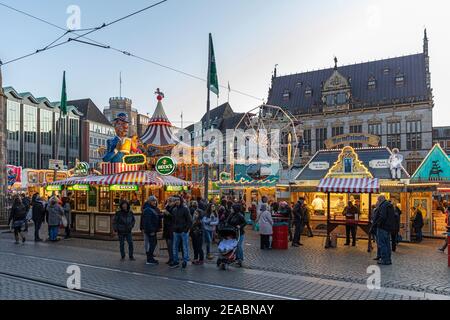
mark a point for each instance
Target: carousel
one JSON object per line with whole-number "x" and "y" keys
{"x": 133, "y": 169}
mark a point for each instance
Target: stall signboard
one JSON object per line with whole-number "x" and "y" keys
{"x": 14, "y": 174}
{"x": 49, "y": 176}
{"x": 54, "y": 164}
{"x": 82, "y": 169}
{"x": 53, "y": 188}
{"x": 80, "y": 187}
{"x": 176, "y": 188}
{"x": 165, "y": 166}
{"x": 123, "y": 187}
{"x": 346, "y": 139}
{"x": 319, "y": 165}
{"x": 435, "y": 167}
{"x": 135, "y": 159}
{"x": 261, "y": 174}
{"x": 379, "y": 164}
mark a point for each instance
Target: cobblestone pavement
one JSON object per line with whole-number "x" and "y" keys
{"x": 310, "y": 272}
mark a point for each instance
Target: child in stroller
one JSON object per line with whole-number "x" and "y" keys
{"x": 229, "y": 238}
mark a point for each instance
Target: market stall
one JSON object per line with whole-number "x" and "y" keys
{"x": 332, "y": 178}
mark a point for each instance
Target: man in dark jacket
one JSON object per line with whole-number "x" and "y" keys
{"x": 168, "y": 227}
{"x": 350, "y": 213}
{"x": 300, "y": 213}
{"x": 394, "y": 234}
{"x": 182, "y": 222}
{"x": 418, "y": 223}
{"x": 150, "y": 225}
{"x": 38, "y": 217}
{"x": 123, "y": 224}
{"x": 385, "y": 225}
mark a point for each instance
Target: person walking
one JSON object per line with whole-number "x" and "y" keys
{"x": 209, "y": 221}
{"x": 265, "y": 227}
{"x": 182, "y": 223}
{"x": 38, "y": 216}
{"x": 418, "y": 224}
{"x": 18, "y": 218}
{"x": 193, "y": 206}
{"x": 123, "y": 224}
{"x": 299, "y": 213}
{"x": 350, "y": 213}
{"x": 67, "y": 214}
{"x": 447, "y": 220}
{"x": 236, "y": 219}
{"x": 55, "y": 213}
{"x": 168, "y": 228}
{"x": 197, "y": 238}
{"x": 150, "y": 225}
{"x": 385, "y": 224}
{"x": 395, "y": 233}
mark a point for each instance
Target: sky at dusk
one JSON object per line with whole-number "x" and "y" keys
{"x": 250, "y": 37}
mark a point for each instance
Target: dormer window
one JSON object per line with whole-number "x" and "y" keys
{"x": 298, "y": 84}
{"x": 286, "y": 95}
{"x": 400, "y": 80}
{"x": 386, "y": 71}
{"x": 308, "y": 92}
{"x": 372, "y": 83}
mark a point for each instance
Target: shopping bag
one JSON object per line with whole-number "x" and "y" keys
{"x": 29, "y": 214}
{"x": 64, "y": 221}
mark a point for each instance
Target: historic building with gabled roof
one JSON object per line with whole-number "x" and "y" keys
{"x": 387, "y": 102}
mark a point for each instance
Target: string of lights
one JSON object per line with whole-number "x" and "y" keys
{"x": 121, "y": 51}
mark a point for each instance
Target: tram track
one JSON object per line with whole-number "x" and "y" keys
{"x": 48, "y": 284}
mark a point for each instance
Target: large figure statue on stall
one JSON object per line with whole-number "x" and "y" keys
{"x": 120, "y": 145}
{"x": 395, "y": 163}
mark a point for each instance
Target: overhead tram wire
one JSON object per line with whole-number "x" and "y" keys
{"x": 91, "y": 30}
{"x": 127, "y": 53}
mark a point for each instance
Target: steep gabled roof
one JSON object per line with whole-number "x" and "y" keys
{"x": 90, "y": 111}
{"x": 435, "y": 166}
{"x": 384, "y": 72}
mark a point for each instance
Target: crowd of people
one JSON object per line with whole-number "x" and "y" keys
{"x": 183, "y": 219}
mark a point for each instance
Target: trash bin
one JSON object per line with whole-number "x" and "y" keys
{"x": 280, "y": 236}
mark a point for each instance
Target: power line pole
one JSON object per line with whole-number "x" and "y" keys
{"x": 3, "y": 173}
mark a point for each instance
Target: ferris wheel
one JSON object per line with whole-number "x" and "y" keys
{"x": 264, "y": 120}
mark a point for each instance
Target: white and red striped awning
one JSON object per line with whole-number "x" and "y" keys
{"x": 349, "y": 185}
{"x": 140, "y": 178}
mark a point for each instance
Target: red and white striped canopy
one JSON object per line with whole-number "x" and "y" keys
{"x": 349, "y": 185}
{"x": 140, "y": 178}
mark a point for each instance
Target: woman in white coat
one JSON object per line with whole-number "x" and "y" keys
{"x": 265, "y": 226}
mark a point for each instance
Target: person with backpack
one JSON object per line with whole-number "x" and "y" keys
{"x": 55, "y": 213}
{"x": 123, "y": 224}
{"x": 385, "y": 224}
{"x": 18, "y": 218}
{"x": 150, "y": 225}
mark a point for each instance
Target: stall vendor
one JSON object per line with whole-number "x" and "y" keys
{"x": 120, "y": 145}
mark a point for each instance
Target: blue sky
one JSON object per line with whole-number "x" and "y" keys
{"x": 250, "y": 37}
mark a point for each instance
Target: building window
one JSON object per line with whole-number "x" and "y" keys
{"x": 341, "y": 98}
{"x": 376, "y": 129}
{"x": 30, "y": 160}
{"x": 386, "y": 71}
{"x": 13, "y": 132}
{"x": 298, "y": 84}
{"x": 356, "y": 128}
{"x": 399, "y": 80}
{"x": 393, "y": 135}
{"x": 46, "y": 128}
{"x": 30, "y": 124}
{"x": 331, "y": 101}
{"x": 412, "y": 165}
{"x": 414, "y": 135}
{"x": 286, "y": 95}
{"x": 308, "y": 92}
{"x": 337, "y": 131}
{"x": 307, "y": 140}
{"x": 321, "y": 136}
{"x": 372, "y": 84}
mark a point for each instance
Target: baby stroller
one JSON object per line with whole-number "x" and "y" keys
{"x": 229, "y": 238}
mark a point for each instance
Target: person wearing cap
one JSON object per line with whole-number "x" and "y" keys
{"x": 150, "y": 225}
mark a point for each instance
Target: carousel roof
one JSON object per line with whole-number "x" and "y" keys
{"x": 159, "y": 132}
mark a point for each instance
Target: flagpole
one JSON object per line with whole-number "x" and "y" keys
{"x": 208, "y": 115}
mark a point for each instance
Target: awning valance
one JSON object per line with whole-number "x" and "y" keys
{"x": 140, "y": 178}
{"x": 349, "y": 185}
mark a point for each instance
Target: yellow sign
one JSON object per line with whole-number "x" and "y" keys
{"x": 346, "y": 139}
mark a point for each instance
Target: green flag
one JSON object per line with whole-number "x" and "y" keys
{"x": 212, "y": 70}
{"x": 63, "y": 106}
